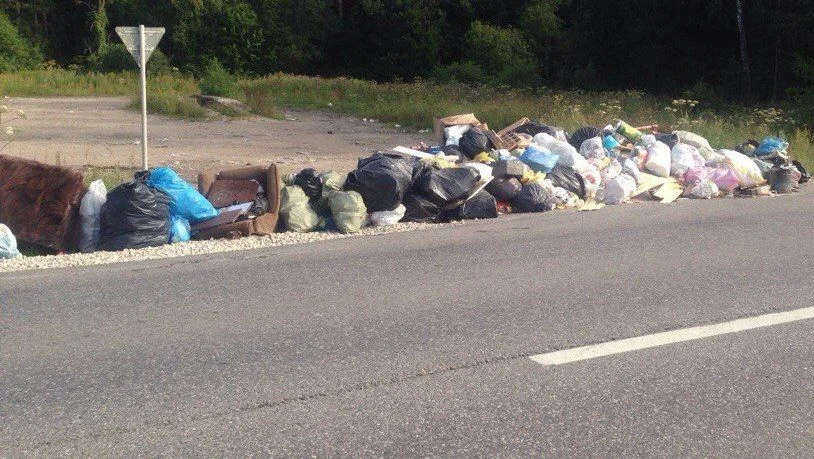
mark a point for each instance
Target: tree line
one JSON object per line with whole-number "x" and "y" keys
{"x": 760, "y": 50}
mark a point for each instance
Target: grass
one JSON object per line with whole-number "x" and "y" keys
{"x": 111, "y": 176}
{"x": 415, "y": 105}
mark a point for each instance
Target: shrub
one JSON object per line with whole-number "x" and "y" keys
{"x": 459, "y": 72}
{"x": 503, "y": 54}
{"x": 217, "y": 81}
{"x": 15, "y": 52}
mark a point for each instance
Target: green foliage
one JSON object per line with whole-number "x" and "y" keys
{"x": 171, "y": 104}
{"x": 15, "y": 52}
{"x": 503, "y": 54}
{"x": 460, "y": 72}
{"x": 227, "y": 30}
{"x": 217, "y": 81}
{"x": 803, "y": 96}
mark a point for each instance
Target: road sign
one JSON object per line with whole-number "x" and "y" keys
{"x": 130, "y": 38}
{"x": 141, "y": 42}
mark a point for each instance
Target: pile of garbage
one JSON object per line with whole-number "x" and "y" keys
{"x": 476, "y": 173}
{"x": 472, "y": 173}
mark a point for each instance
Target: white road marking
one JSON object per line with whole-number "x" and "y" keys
{"x": 671, "y": 337}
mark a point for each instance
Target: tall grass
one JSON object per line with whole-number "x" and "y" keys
{"x": 415, "y": 105}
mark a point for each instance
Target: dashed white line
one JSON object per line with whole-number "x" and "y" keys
{"x": 671, "y": 337}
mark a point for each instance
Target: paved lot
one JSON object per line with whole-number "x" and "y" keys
{"x": 419, "y": 343}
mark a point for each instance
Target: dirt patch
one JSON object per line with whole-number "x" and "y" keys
{"x": 101, "y": 132}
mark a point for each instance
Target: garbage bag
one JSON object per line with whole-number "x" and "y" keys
{"x": 683, "y": 158}
{"x": 658, "y": 156}
{"x": 135, "y": 216}
{"x": 784, "y": 179}
{"x": 744, "y": 168}
{"x": 388, "y": 217}
{"x": 629, "y": 167}
{"x": 569, "y": 156}
{"x": 619, "y": 189}
{"x": 90, "y": 213}
{"x": 483, "y": 205}
{"x": 297, "y": 213}
{"x": 582, "y": 134}
{"x": 764, "y": 166}
{"x": 509, "y": 168}
{"x": 310, "y": 182}
{"x": 179, "y": 229}
{"x": 382, "y": 180}
{"x": 772, "y": 147}
{"x": 453, "y": 134}
{"x": 484, "y": 170}
{"x": 474, "y": 141}
{"x": 331, "y": 181}
{"x": 724, "y": 178}
{"x": 186, "y": 202}
{"x": 533, "y": 128}
{"x": 804, "y": 175}
{"x": 348, "y": 211}
{"x": 532, "y": 198}
{"x": 592, "y": 179}
{"x": 671, "y": 140}
{"x": 447, "y": 186}
{"x": 420, "y": 209}
{"x": 592, "y": 148}
{"x": 504, "y": 189}
{"x": 8, "y": 244}
{"x": 610, "y": 143}
{"x": 539, "y": 159}
{"x": 704, "y": 189}
{"x": 568, "y": 179}
{"x": 700, "y": 143}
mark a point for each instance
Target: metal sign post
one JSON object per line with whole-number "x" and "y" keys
{"x": 141, "y": 42}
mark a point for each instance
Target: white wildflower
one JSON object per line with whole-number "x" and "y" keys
{"x": 9, "y": 131}
{"x": 22, "y": 114}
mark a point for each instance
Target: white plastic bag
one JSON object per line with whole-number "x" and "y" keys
{"x": 485, "y": 171}
{"x": 619, "y": 188}
{"x": 593, "y": 180}
{"x": 745, "y": 169}
{"x": 388, "y": 217}
{"x": 593, "y": 148}
{"x": 569, "y": 156}
{"x": 705, "y": 189}
{"x": 702, "y": 144}
{"x": 658, "y": 156}
{"x": 8, "y": 244}
{"x": 684, "y": 158}
{"x": 453, "y": 134}
{"x": 90, "y": 211}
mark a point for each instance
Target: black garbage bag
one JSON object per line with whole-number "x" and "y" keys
{"x": 310, "y": 182}
{"x": 670, "y": 140}
{"x": 782, "y": 179}
{"x": 135, "y": 216}
{"x": 482, "y": 205}
{"x": 582, "y": 134}
{"x": 805, "y": 175}
{"x": 420, "y": 209}
{"x": 444, "y": 187}
{"x": 474, "y": 141}
{"x": 382, "y": 180}
{"x": 533, "y": 128}
{"x": 532, "y": 198}
{"x": 567, "y": 178}
{"x": 504, "y": 189}
{"x": 454, "y": 150}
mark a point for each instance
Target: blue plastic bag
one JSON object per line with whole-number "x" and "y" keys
{"x": 179, "y": 229}
{"x": 771, "y": 145}
{"x": 539, "y": 159}
{"x": 186, "y": 201}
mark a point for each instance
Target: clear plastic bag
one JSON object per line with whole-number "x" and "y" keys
{"x": 90, "y": 212}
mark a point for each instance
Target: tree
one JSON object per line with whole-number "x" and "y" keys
{"x": 747, "y": 72}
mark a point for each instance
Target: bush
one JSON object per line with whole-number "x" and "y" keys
{"x": 504, "y": 55}
{"x": 15, "y": 52}
{"x": 217, "y": 81}
{"x": 459, "y": 72}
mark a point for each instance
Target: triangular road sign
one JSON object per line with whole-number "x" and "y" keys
{"x": 130, "y": 38}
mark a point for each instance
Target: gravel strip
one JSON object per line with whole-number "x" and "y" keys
{"x": 200, "y": 247}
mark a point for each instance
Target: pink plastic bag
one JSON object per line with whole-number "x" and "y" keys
{"x": 724, "y": 178}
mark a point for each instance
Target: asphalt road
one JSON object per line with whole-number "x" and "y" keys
{"x": 419, "y": 343}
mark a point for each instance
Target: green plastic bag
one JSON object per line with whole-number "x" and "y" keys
{"x": 331, "y": 183}
{"x": 349, "y": 211}
{"x": 296, "y": 211}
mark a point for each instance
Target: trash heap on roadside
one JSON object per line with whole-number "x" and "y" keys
{"x": 472, "y": 173}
